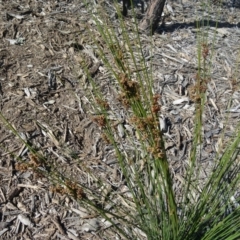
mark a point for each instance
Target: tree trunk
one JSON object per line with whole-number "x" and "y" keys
{"x": 126, "y": 5}
{"x": 152, "y": 17}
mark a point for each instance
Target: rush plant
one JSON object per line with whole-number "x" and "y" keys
{"x": 203, "y": 211}
{"x": 149, "y": 208}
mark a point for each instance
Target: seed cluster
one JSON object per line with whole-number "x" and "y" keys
{"x": 71, "y": 188}
{"x": 129, "y": 90}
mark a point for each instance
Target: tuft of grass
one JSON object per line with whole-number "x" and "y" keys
{"x": 203, "y": 210}
{"x": 149, "y": 208}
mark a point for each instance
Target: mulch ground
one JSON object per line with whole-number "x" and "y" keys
{"x": 43, "y": 96}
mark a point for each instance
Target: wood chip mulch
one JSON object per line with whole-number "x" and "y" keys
{"x": 43, "y": 90}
